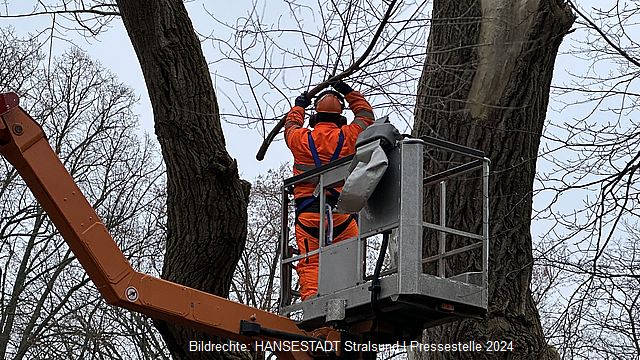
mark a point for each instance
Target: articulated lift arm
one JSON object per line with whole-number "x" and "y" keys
{"x": 24, "y": 145}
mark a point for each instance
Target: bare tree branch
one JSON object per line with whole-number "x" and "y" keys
{"x": 347, "y": 72}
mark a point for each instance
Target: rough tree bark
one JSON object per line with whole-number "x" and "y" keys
{"x": 206, "y": 199}
{"x": 485, "y": 84}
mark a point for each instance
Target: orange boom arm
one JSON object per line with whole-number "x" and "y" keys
{"x": 24, "y": 145}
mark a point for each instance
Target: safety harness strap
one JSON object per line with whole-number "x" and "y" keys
{"x": 314, "y": 150}
{"x": 337, "y": 230}
{"x": 310, "y": 204}
{"x": 304, "y": 203}
{"x": 336, "y": 154}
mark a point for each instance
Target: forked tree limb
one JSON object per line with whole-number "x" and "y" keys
{"x": 346, "y": 73}
{"x": 604, "y": 36}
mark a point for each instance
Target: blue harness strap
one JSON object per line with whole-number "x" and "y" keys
{"x": 336, "y": 154}
{"x": 314, "y": 150}
{"x": 316, "y": 159}
{"x": 305, "y": 203}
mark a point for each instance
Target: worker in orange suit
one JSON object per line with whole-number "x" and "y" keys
{"x": 330, "y": 139}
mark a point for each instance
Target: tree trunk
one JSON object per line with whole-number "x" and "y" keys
{"x": 485, "y": 84}
{"x": 206, "y": 199}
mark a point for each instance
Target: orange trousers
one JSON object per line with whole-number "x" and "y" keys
{"x": 308, "y": 268}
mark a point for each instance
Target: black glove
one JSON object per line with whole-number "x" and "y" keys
{"x": 341, "y": 87}
{"x": 303, "y": 101}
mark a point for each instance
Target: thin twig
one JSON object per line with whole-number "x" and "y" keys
{"x": 604, "y": 36}
{"x": 75, "y": 12}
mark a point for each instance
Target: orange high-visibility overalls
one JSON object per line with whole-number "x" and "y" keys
{"x": 311, "y": 149}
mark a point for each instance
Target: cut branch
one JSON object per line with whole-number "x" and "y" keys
{"x": 346, "y": 73}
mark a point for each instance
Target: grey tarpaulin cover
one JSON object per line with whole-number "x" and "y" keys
{"x": 367, "y": 168}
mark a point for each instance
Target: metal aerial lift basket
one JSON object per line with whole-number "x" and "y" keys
{"x": 407, "y": 297}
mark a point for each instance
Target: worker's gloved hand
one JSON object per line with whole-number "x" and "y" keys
{"x": 342, "y": 87}
{"x": 303, "y": 101}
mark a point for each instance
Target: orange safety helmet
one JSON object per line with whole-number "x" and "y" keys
{"x": 329, "y": 101}
{"x": 329, "y": 105}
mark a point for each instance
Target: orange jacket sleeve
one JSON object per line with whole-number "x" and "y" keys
{"x": 363, "y": 116}
{"x": 293, "y": 130}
